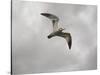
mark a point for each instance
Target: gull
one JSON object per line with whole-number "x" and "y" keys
{"x": 58, "y": 31}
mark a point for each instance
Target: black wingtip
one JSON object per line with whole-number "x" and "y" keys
{"x": 45, "y": 14}
{"x": 70, "y": 43}
{"x": 41, "y": 13}
{"x": 49, "y": 36}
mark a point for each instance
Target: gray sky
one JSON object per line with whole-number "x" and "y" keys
{"x": 33, "y": 52}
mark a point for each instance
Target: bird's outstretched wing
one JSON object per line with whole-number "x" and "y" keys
{"x": 54, "y": 19}
{"x": 68, "y": 38}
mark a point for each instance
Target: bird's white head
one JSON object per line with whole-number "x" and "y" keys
{"x": 61, "y": 29}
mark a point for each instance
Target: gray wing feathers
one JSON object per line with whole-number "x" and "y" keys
{"x": 53, "y": 18}
{"x": 67, "y": 37}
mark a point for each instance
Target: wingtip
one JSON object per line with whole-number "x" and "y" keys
{"x": 41, "y": 13}
{"x": 45, "y": 14}
{"x": 70, "y": 43}
{"x": 69, "y": 48}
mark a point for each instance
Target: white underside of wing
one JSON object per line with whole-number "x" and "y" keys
{"x": 55, "y": 26}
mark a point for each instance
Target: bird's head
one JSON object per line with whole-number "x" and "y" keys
{"x": 61, "y": 29}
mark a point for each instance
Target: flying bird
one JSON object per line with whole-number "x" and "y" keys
{"x": 58, "y": 31}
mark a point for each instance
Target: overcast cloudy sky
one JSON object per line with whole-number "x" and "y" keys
{"x": 33, "y": 52}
